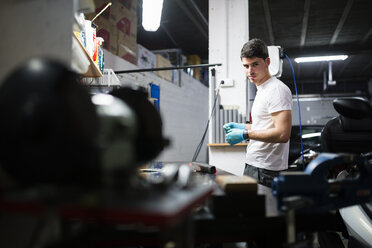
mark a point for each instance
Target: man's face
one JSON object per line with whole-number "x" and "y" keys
{"x": 256, "y": 69}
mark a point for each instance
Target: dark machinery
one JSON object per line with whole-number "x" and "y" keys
{"x": 313, "y": 191}
{"x": 341, "y": 177}
{"x": 71, "y": 161}
{"x": 351, "y": 132}
{"x": 53, "y": 132}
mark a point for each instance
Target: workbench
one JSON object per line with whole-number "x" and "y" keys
{"x": 100, "y": 218}
{"x": 255, "y": 219}
{"x": 184, "y": 217}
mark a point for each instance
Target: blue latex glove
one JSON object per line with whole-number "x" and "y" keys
{"x": 233, "y": 125}
{"x": 235, "y": 136}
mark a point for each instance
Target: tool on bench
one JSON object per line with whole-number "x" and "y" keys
{"x": 202, "y": 167}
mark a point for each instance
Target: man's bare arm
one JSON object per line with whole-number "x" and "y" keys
{"x": 279, "y": 133}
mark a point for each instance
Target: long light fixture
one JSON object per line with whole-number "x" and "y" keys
{"x": 311, "y": 135}
{"x": 151, "y": 14}
{"x": 320, "y": 58}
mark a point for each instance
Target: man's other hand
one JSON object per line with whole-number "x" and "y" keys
{"x": 235, "y": 136}
{"x": 228, "y": 127}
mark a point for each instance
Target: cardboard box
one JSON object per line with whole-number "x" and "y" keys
{"x": 117, "y": 25}
{"x": 129, "y": 4}
{"x": 145, "y": 58}
{"x": 130, "y": 42}
{"x": 195, "y": 60}
{"x": 100, "y": 4}
{"x": 174, "y": 55}
{"x": 163, "y": 62}
{"x": 109, "y": 33}
{"x": 124, "y": 19}
{"x": 127, "y": 48}
{"x": 126, "y": 55}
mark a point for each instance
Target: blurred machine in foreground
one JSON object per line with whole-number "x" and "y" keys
{"x": 71, "y": 163}
{"x": 53, "y": 132}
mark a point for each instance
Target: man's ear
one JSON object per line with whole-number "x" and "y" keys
{"x": 267, "y": 61}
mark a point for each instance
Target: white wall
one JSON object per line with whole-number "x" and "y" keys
{"x": 183, "y": 109}
{"x": 229, "y": 158}
{"x": 228, "y": 31}
{"x": 314, "y": 110}
{"x": 34, "y": 28}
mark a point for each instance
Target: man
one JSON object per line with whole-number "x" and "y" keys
{"x": 269, "y": 133}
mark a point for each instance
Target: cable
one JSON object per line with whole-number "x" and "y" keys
{"x": 198, "y": 148}
{"x": 299, "y": 112}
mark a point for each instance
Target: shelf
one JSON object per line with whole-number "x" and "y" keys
{"x": 93, "y": 70}
{"x": 226, "y": 144}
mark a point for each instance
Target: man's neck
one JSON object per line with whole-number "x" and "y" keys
{"x": 267, "y": 77}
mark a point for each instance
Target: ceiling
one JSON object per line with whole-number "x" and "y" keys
{"x": 184, "y": 25}
{"x": 300, "y": 27}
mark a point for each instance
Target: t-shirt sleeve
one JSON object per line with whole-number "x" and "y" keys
{"x": 279, "y": 99}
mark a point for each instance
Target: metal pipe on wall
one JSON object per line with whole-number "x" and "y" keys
{"x": 240, "y": 120}
{"x": 212, "y": 97}
{"x": 229, "y": 115}
{"x": 222, "y": 134}
{"x": 235, "y": 115}
{"x": 217, "y": 118}
{"x": 225, "y": 118}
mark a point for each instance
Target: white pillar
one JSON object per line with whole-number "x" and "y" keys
{"x": 34, "y": 28}
{"x": 228, "y": 31}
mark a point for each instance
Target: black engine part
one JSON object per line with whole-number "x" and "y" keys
{"x": 48, "y": 127}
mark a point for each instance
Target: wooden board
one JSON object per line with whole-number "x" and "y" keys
{"x": 226, "y": 144}
{"x": 237, "y": 184}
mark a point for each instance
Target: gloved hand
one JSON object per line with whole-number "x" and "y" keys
{"x": 235, "y": 136}
{"x": 233, "y": 125}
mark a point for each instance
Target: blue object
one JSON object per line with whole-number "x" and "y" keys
{"x": 233, "y": 125}
{"x": 235, "y": 136}
{"x": 311, "y": 191}
{"x": 155, "y": 93}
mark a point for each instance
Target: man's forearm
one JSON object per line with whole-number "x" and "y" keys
{"x": 270, "y": 135}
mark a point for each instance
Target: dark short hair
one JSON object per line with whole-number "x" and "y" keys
{"x": 254, "y": 48}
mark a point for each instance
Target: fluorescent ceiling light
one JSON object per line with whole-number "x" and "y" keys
{"x": 151, "y": 14}
{"x": 311, "y": 135}
{"x": 320, "y": 58}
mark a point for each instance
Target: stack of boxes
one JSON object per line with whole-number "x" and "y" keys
{"x": 176, "y": 58}
{"x": 163, "y": 62}
{"x": 174, "y": 55}
{"x": 117, "y": 25}
{"x": 194, "y": 59}
{"x": 148, "y": 59}
{"x": 145, "y": 58}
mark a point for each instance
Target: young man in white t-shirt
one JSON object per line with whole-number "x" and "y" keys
{"x": 269, "y": 133}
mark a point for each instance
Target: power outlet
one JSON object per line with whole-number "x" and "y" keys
{"x": 227, "y": 82}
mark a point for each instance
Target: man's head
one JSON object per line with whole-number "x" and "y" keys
{"x": 256, "y": 61}
{"x": 254, "y": 48}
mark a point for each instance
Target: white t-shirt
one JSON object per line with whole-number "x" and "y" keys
{"x": 272, "y": 96}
